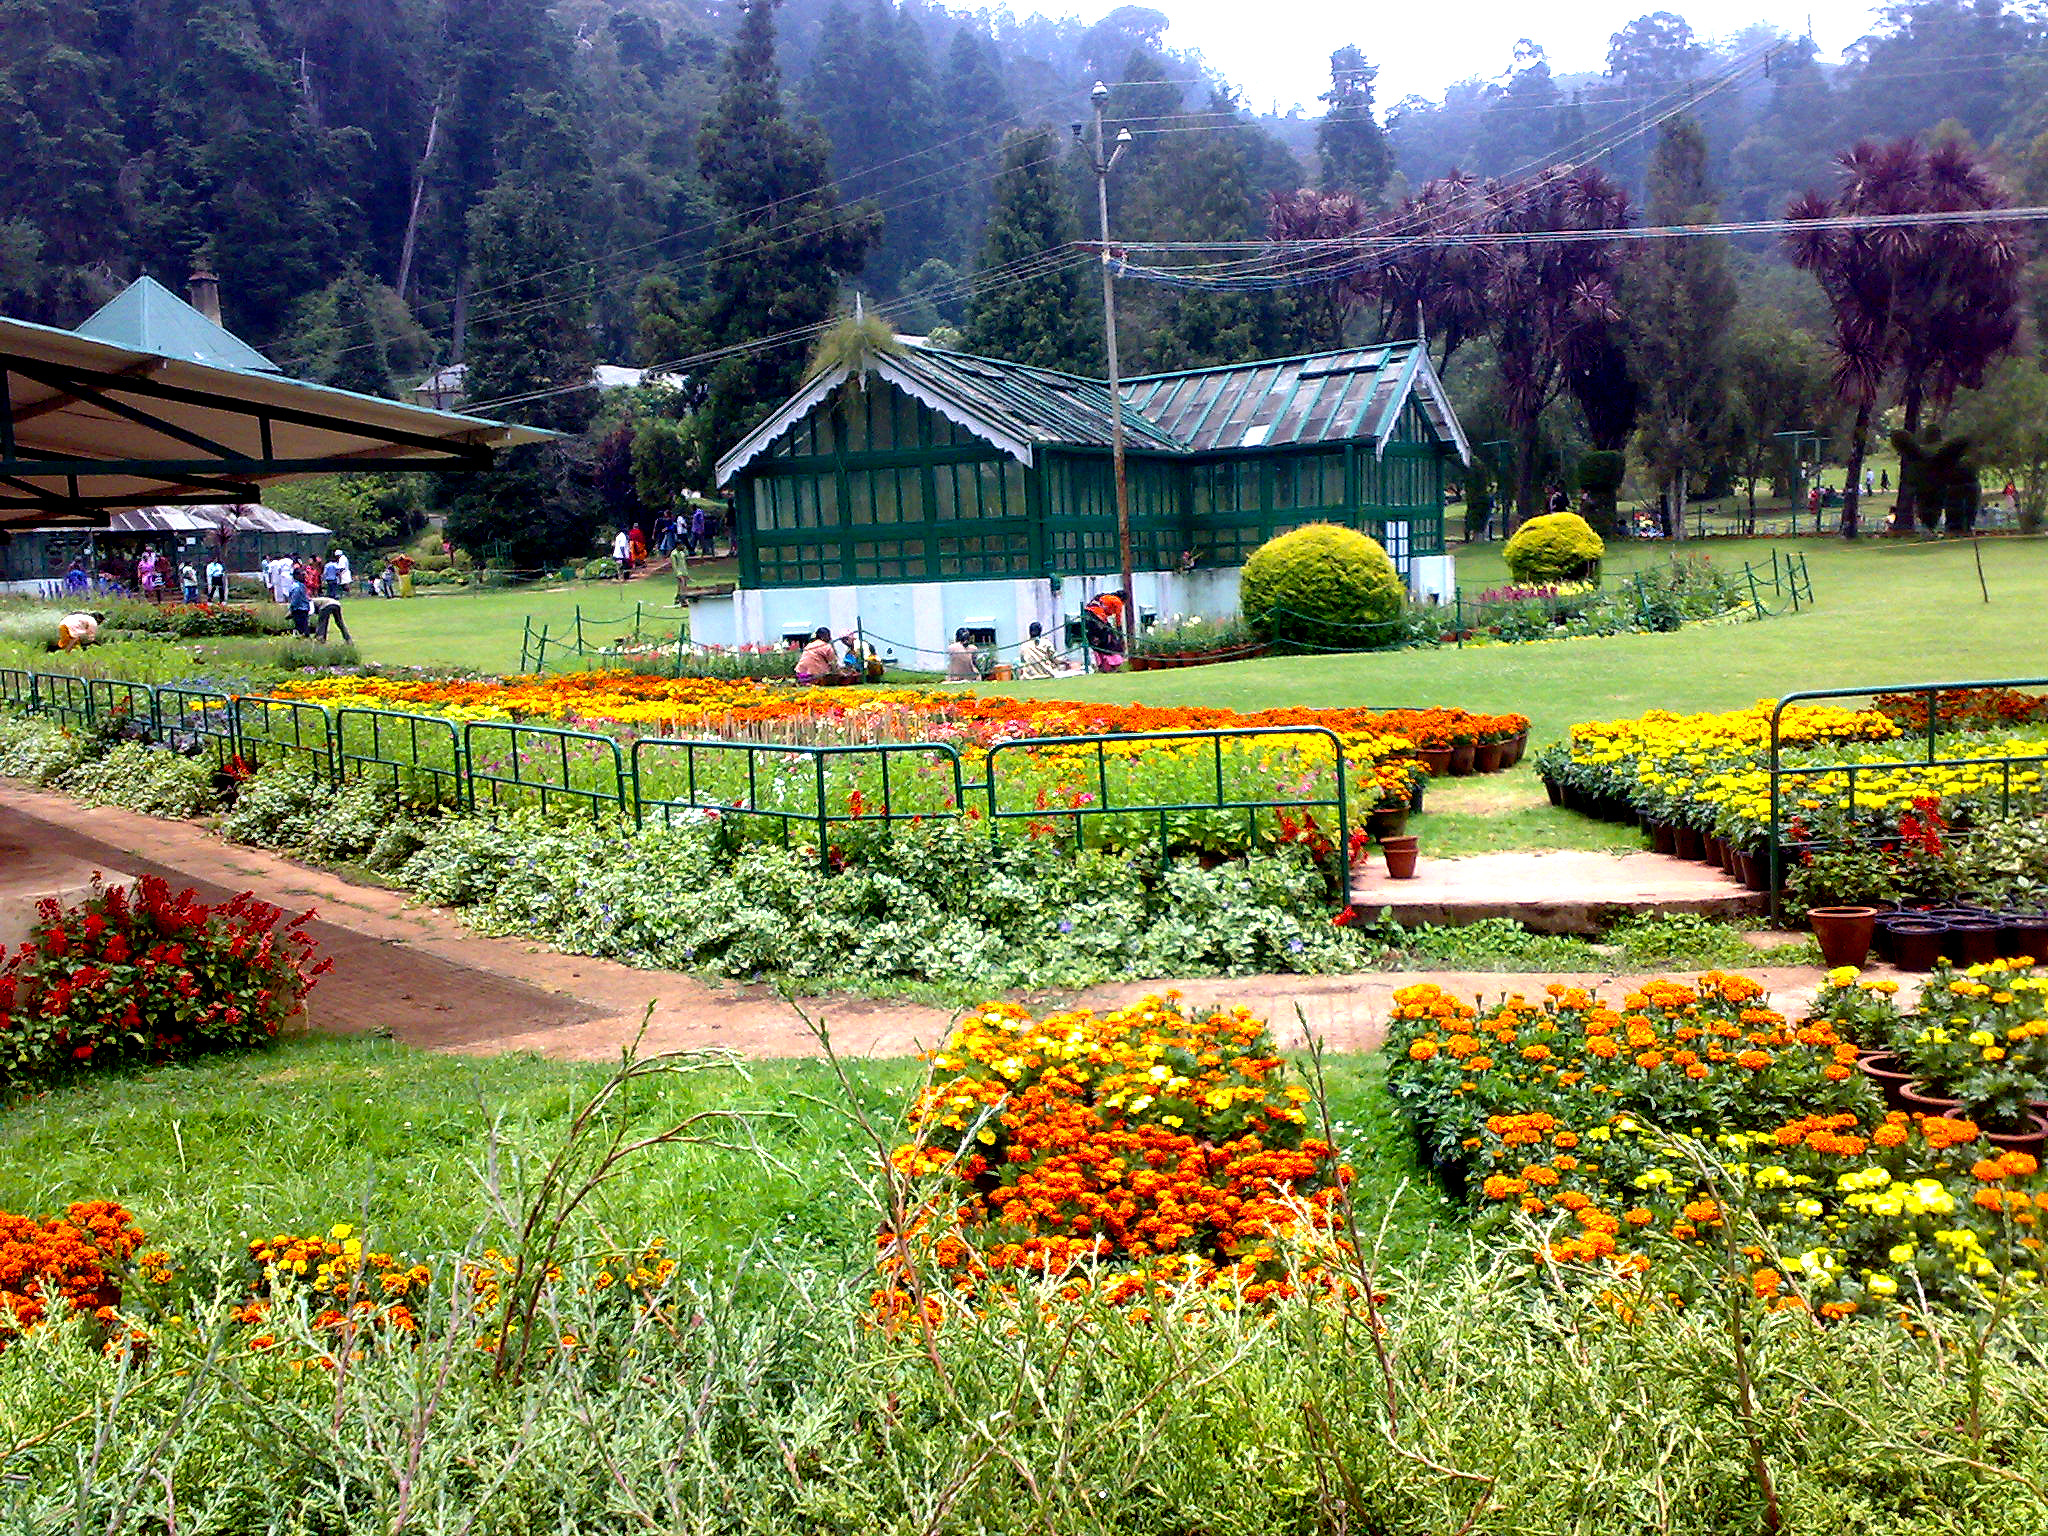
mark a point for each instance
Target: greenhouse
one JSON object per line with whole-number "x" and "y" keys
{"x": 920, "y": 491}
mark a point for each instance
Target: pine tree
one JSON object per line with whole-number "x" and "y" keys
{"x": 1047, "y": 320}
{"x": 976, "y": 104}
{"x": 530, "y": 359}
{"x": 60, "y": 157}
{"x": 1679, "y": 297}
{"x": 784, "y": 245}
{"x": 1351, "y": 151}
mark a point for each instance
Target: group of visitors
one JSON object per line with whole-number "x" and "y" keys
{"x": 692, "y": 533}
{"x": 848, "y": 661}
{"x": 312, "y": 590}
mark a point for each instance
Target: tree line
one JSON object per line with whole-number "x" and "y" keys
{"x": 386, "y": 186}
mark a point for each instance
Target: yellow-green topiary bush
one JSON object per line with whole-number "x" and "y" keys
{"x": 1323, "y": 586}
{"x": 1559, "y": 546}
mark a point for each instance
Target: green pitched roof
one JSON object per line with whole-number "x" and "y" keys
{"x": 147, "y": 317}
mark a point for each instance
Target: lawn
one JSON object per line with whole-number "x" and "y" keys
{"x": 315, "y": 1131}
{"x": 482, "y": 629}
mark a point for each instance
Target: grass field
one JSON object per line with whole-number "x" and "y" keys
{"x": 316, "y": 1131}
{"x": 482, "y": 629}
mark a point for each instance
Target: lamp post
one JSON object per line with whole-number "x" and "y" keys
{"x": 1103, "y": 157}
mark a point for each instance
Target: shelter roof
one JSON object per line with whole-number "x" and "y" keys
{"x": 206, "y": 518}
{"x": 94, "y": 422}
{"x": 1355, "y": 395}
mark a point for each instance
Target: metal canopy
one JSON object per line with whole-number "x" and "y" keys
{"x": 89, "y": 424}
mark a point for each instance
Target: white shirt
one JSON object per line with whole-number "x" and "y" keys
{"x": 620, "y": 545}
{"x": 347, "y": 576}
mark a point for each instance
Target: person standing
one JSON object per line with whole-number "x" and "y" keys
{"x": 1869, "y": 481}
{"x": 216, "y": 581}
{"x": 188, "y": 581}
{"x": 700, "y": 532}
{"x": 330, "y": 576}
{"x": 348, "y": 575}
{"x": 149, "y": 573}
{"x": 622, "y": 549}
{"x": 300, "y": 602}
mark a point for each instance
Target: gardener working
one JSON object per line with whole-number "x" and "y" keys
{"x": 819, "y": 659}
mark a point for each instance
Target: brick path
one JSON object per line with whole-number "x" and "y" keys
{"x": 418, "y": 974}
{"x": 1563, "y": 891}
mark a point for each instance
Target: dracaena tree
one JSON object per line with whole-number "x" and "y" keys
{"x": 1922, "y": 307}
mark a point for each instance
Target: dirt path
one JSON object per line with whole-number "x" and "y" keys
{"x": 417, "y": 974}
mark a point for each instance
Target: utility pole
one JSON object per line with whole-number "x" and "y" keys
{"x": 1103, "y": 157}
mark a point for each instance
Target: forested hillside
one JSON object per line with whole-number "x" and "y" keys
{"x": 387, "y": 185}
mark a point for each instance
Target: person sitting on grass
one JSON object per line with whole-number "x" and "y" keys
{"x": 1035, "y": 658}
{"x": 820, "y": 659}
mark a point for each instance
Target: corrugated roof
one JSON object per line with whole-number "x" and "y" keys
{"x": 203, "y": 517}
{"x": 1353, "y": 395}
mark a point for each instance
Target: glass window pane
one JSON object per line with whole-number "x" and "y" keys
{"x": 828, "y": 501}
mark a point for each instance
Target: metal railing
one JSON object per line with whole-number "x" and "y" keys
{"x": 1102, "y": 802}
{"x": 1927, "y": 755}
{"x": 489, "y": 765}
{"x": 744, "y": 781}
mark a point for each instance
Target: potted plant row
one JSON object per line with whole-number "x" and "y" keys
{"x": 1975, "y": 1048}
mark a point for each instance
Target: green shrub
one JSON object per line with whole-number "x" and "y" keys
{"x": 1559, "y": 546}
{"x": 279, "y": 807}
{"x": 146, "y": 779}
{"x": 37, "y": 751}
{"x": 1325, "y": 587}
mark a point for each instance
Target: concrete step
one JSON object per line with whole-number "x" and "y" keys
{"x": 1564, "y": 891}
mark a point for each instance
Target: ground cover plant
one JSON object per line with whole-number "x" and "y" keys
{"x": 675, "y": 1381}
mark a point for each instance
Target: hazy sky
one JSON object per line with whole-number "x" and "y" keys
{"x": 1280, "y": 49}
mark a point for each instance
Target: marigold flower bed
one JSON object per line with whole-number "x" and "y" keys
{"x": 1562, "y": 1118}
{"x": 1112, "y": 1152}
{"x": 1709, "y": 772}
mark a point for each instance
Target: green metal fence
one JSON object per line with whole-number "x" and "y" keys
{"x": 1103, "y": 805}
{"x": 511, "y": 765}
{"x": 814, "y": 788}
{"x": 1927, "y": 753}
{"x": 823, "y": 790}
{"x": 420, "y": 755}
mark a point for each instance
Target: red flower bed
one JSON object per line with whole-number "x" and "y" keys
{"x": 149, "y": 975}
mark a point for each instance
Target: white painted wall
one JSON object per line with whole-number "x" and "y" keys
{"x": 915, "y": 621}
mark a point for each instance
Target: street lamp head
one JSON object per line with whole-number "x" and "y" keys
{"x": 1100, "y": 95}
{"x": 1123, "y": 136}
{"x": 1077, "y": 132}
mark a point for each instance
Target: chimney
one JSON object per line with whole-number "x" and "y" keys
{"x": 204, "y": 290}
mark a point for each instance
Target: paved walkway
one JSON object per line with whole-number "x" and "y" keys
{"x": 419, "y": 975}
{"x": 1564, "y": 891}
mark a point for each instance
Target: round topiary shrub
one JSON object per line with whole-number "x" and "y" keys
{"x": 1557, "y": 547}
{"x": 1323, "y": 586}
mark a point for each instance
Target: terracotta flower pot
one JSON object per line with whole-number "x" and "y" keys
{"x": 2032, "y": 1141}
{"x": 1844, "y": 934}
{"x": 1516, "y": 747}
{"x": 1753, "y": 870}
{"x": 1400, "y": 854}
{"x": 1920, "y": 1099}
{"x": 1461, "y": 760}
{"x": 1387, "y": 822}
{"x": 1486, "y": 757}
{"x": 1436, "y": 759}
{"x": 1888, "y": 1075}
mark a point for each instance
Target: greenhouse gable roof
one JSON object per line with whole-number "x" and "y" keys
{"x": 1355, "y": 395}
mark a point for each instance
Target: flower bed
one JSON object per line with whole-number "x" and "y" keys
{"x": 148, "y": 976}
{"x": 1622, "y": 1136}
{"x": 1152, "y": 1145}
